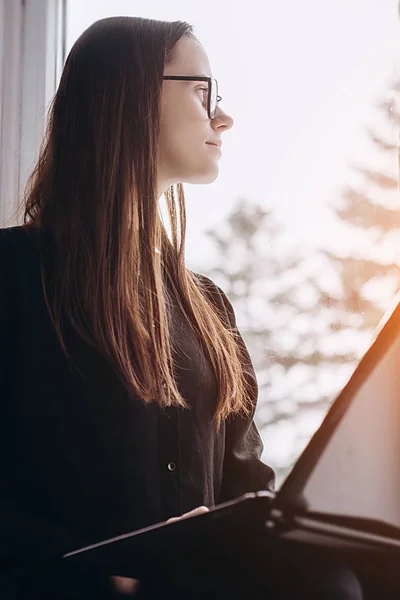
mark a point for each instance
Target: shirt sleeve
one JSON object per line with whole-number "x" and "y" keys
{"x": 243, "y": 469}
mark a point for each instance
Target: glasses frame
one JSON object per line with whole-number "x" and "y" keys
{"x": 199, "y": 78}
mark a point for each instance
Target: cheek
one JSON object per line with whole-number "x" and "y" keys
{"x": 182, "y": 139}
{"x": 183, "y": 125}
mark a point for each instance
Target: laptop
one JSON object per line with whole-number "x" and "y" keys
{"x": 343, "y": 492}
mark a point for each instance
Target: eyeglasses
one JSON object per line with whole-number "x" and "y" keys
{"x": 213, "y": 97}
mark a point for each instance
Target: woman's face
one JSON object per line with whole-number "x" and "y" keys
{"x": 184, "y": 155}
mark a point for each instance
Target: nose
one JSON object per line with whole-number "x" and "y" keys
{"x": 222, "y": 120}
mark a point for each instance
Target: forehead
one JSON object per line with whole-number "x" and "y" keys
{"x": 190, "y": 59}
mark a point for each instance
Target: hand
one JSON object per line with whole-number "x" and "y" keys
{"x": 129, "y": 586}
{"x": 125, "y": 585}
{"x": 196, "y": 511}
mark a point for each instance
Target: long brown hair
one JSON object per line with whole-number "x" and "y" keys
{"x": 94, "y": 188}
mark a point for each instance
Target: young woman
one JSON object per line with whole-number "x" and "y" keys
{"x": 128, "y": 390}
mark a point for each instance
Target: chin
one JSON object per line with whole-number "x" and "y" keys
{"x": 206, "y": 177}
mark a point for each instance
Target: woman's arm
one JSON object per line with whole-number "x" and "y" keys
{"x": 243, "y": 470}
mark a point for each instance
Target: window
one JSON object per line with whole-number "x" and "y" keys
{"x": 301, "y": 228}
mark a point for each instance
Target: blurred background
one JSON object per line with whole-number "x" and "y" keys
{"x": 302, "y": 227}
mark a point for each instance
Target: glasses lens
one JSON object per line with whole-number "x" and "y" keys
{"x": 213, "y": 97}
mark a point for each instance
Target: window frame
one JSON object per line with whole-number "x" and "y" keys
{"x": 32, "y": 53}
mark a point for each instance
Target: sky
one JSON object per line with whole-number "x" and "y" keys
{"x": 300, "y": 80}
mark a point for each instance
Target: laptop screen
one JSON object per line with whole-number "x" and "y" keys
{"x": 351, "y": 467}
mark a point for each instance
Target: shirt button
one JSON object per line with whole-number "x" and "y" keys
{"x": 171, "y": 466}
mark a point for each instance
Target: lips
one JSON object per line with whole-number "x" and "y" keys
{"x": 218, "y": 144}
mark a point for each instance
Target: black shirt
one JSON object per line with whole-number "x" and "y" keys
{"x": 83, "y": 455}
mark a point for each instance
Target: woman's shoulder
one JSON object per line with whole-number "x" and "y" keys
{"x": 17, "y": 251}
{"x": 11, "y": 239}
{"x": 216, "y": 294}
{"x": 8, "y": 239}
{"x": 207, "y": 284}
{"x": 9, "y": 236}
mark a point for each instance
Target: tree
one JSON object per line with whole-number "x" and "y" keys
{"x": 370, "y": 274}
{"x": 276, "y": 302}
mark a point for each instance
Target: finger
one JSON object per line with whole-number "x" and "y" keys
{"x": 196, "y": 511}
{"x": 173, "y": 519}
